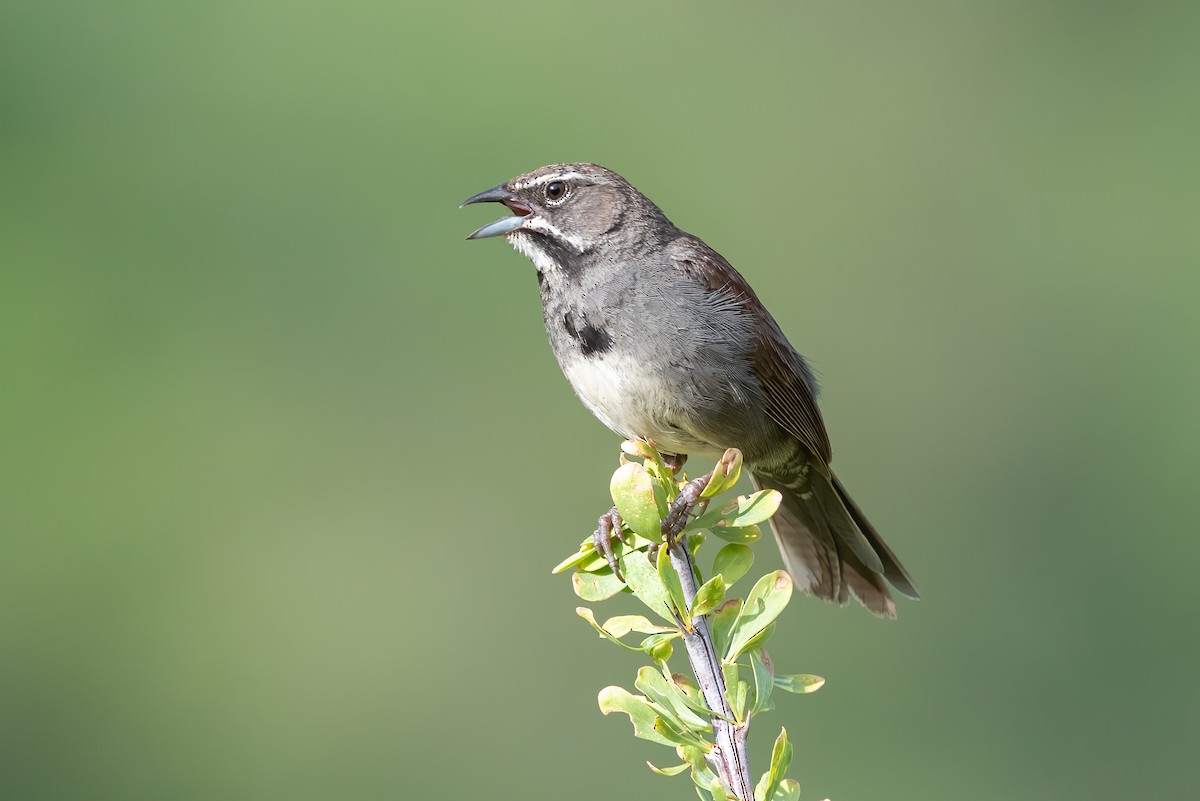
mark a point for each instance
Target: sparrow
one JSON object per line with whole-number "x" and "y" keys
{"x": 664, "y": 341}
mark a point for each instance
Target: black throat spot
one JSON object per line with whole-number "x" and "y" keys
{"x": 592, "y": 340}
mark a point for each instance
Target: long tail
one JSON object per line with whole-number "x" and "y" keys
{"x": 829, "y": 547}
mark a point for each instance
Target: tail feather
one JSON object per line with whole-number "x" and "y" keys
{"x": 829, "y": 548}
{"x": 840, "y": 521}
{"x": 868, "y": 588}
{"x": 806, "y": 544}
{"x": 892, "y": 570}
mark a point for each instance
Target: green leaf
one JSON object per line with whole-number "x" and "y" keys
{"x": 744, "y": 535}
{"x": 707, "y": 782}
{"x": 766, "y": 600}
{"x": 632, "y": 491}
{"x": 755, "y": 508}
{"x": 730, "y": 672}
{"x": 694, "y": 756}
{"x": 760, "y": 639}
{"x": 677, "y": 734}
{"x": 664, "y": 480}
{"x": 712, "y": 517}
{"x": 670, "y": 580}
{"x": 739, "y": 698}
{"x": 627, "y": 543}
{"x": 720, "y": 623}
{"x": 690, "y": 694}
{"x": 658, "y": 646}
{"x": 666, "y": 695}
{"x": 649, "y": 454}
{"x": 732, "y": 562}
{"x": 725, "y": 474}
{"x": 642, "y": 578}
{"x": 661, "y": 499}
{"x": 621, "y": 625}
{"x": 641, "y": 713}
{"x": 693, "y": 542}
{"x": 710, "y": 595}
{"x": 596, "y": 586}
{"x": 746, "y": 510}
{"x": 764, "y": 674}
{"x": 587, "y": 615}
{"x": 586, "y": 552}
{"x": 789, "y": 790}
{"x": 736, "y": 690}
{"x": 799, "y": 683}
{"x": 596, "y": 561}
{"x": 642, "y": 450}
{"x": 781, "y": 757}
{"x": 674, "y": 770}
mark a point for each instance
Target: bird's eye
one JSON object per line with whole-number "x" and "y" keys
{"x": 556, "y": 191}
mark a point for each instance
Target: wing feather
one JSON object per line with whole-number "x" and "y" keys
{"x": 787, "y": 382}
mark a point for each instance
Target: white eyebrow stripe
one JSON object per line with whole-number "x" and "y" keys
{"x": 554, "y": 176}
{"x": 542, "y": 224}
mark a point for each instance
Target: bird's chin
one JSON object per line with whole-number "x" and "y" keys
{"x": 530, "y": 246}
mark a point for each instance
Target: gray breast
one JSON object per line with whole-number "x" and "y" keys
{"x": 654, "y": 358}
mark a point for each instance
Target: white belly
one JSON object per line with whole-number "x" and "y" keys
{"x": 617, "y": 390}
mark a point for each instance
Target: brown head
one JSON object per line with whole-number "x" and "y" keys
{"x": 570, "y": 209}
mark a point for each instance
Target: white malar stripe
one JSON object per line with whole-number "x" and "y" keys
{"x": 545, "y": 226}
{"x": 554, "y": 176}
{"x": 523, "y": 244}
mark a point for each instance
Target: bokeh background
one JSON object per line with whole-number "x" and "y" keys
{"x": 286, "y": 461}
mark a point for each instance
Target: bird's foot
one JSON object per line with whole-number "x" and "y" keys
{"x": 682, "y": 507}
{"x": 608, "y": 528}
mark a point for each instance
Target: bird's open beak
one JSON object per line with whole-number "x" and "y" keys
{"x": 504, "y": 225}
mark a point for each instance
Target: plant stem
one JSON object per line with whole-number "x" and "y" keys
{"x": 729, "y": 759}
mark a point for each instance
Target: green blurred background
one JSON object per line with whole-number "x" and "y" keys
{"x": 286, "y": 461}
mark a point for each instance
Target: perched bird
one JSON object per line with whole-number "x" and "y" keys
{"x": 662, "y": 339}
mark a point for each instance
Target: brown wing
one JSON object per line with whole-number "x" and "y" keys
{"x": 786, "y": 380}
{"x": 791, "y": 391}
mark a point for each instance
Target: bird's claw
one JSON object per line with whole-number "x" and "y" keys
{"x": 683, "y": 505}
{"x": 608, "y": 528}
